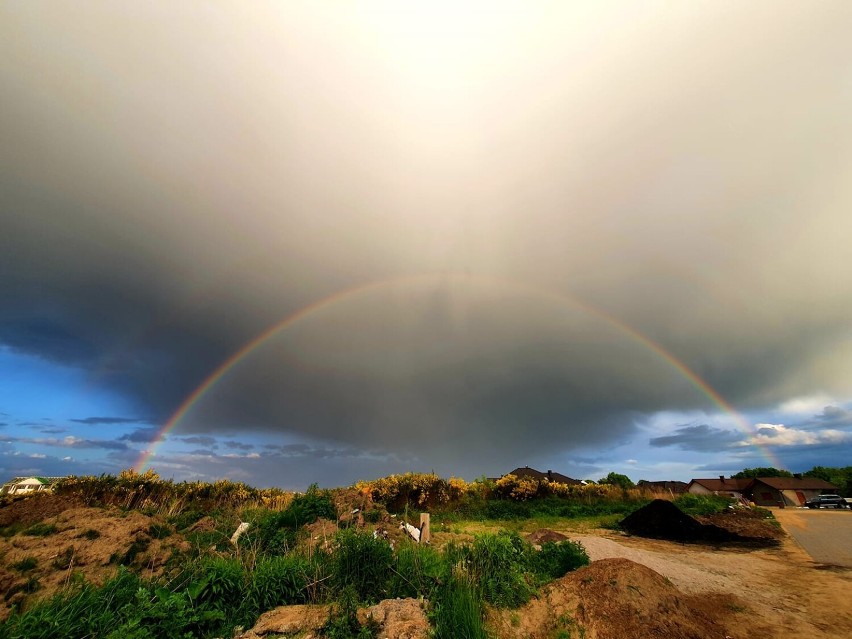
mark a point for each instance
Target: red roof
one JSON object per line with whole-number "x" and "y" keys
{"x": 794, "y": 483}
{"x": 724, "y": 484}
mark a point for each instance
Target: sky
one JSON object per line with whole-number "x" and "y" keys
{"x": 287, "y": 243}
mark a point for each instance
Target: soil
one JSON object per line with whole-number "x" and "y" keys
{"x": 661, "y": 519}
{"x": 397, "y": 618}
{"x": 87, "y": 541}
{"x": 615, "y": 598}
{"x": 544, "y": 535}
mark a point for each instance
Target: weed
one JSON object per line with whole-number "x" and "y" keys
{"x": 159, "y": 531}
{"x": 343, "y": 619}
{"x": 457, "y": 610}
{"x": 41, "y": 530}
{"x": 693, "y": 504}
{"x": 26, "y": 564}
{"x": 555, "y": 560}
{"x": 362, "y": 562}
{"x": 91, "y": 534}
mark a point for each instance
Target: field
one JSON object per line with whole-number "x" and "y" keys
{"x": 135, "y": 556}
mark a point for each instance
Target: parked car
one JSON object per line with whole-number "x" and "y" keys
{"x": 827, "y": 501}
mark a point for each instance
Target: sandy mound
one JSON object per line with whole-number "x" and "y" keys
{"x": 90, "y": 541}
{"x": 544, "y": 535}
{"x": 613, "y": 599}
{"x": 397, "y": 618}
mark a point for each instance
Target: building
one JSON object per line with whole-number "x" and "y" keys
{"x": 730, "y": 487}
{"x": 531, "y": 473}
{"x": 28, "y": 485}
{"x": 789, "y": 491}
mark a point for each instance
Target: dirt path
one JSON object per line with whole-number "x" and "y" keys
{"x": 786, "y": 593}
{"x": 826, "y": 535}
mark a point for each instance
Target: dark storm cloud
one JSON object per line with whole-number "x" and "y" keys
{"x": 835, "y": 416}
{"x": 699, "y": 438}
{"x": 234, "y": 445}
{"x": 141, "y": 435}
{"x": 159, "y": 211}
{"x": 107, "y": 420}
{"x": 200, "y": 440}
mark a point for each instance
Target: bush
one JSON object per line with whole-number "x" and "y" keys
{"x": 498, "y": 564}
{"x": 555, "y": 560}
{"x": 363, "y": 562}
{"x": 278, "y": 581}
{"x": 276, "y": 531}
{"x": 418, "y": 569}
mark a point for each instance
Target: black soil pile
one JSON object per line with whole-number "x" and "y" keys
{"x": 661, "y": 519}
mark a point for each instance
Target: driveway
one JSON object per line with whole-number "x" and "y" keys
{"x": 826, "y": 535}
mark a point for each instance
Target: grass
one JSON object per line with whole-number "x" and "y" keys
{"x": 26, "y": 564}
{"x": 40, "y": 530}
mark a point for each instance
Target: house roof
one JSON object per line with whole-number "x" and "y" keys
{"x": 723, "y": 484}
{"x": 795, "y": 483}
{"x": 532, "y": 473}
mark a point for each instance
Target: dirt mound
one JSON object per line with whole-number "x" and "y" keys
{"x": 747, "y": 524}
{"x": 544, "y": 535}
{"x": 34, "y": 508}
{"x": 616, "y": 598}
{"x": 661, "y": 519}
{"x": 397, "y": 618}
{"x": 39, "y": 559}
{"x": 320, "y": 534}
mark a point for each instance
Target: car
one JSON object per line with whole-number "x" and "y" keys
{"x": 827, "y": 501}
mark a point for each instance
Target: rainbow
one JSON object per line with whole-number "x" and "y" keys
{"x": 226, "y": 366}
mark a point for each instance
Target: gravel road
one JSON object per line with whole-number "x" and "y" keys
{"x": 826, "y": 535}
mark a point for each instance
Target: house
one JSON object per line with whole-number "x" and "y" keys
{"x": 730, "y": 487}
{"x": 672, "y": 487}
{"x": 789, "y": 491}
{"x": 28, "y": 485}
{"x": 531, "y": 473}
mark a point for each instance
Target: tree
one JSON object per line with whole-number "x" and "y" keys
{"x": 617, "y": 479}
{"x": 752, "y": 473}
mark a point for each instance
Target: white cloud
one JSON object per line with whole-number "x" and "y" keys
{"x": 781, "y": 435}
{"x": 806, "y": 405}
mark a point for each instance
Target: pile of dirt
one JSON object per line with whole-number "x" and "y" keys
{"x": 397, "y": 618}
{"x": 615, "y": 598}
{"x": 351, "y": 504}
{"x": 31, "y": 509}
{"x": 544, "y": 535}
{"x": 748, "y": 524}
{"x": 39, "y": 559}
{"x": 320, "y": 534}
{"x": 661, "y": 519}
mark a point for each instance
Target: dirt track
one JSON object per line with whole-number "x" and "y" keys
{"x": 826, "y": 535}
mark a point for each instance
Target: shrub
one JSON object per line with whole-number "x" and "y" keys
{"x": 278, "y": 581}
{"x": 555, "y": 560}
{"x": 498, "y": 565}
{"x": 363, "y": 562}
{"x": 417, "y": 571}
